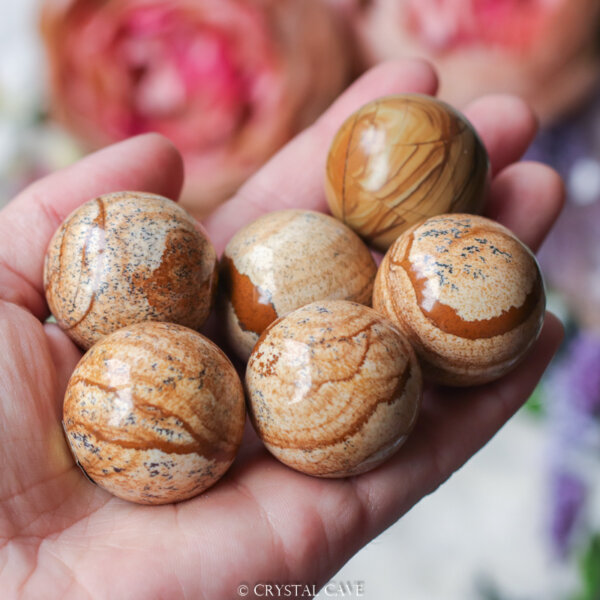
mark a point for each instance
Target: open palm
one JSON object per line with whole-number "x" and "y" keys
{"x": 61, "y": 536}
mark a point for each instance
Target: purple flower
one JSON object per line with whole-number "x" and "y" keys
{"x": 573, "y": 390}
{"x": 577, "y": 376}
{"x": 570, "y": 257}
{"x": 583, "y": 368}
{"x": 568, "y": 497}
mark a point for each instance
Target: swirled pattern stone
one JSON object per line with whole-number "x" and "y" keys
{"x": 401, "y": 159}
{"x": 154, "y": 413}
{"x": 284, "y": 260}
{"x": 334, "y": 388}
{"x": 128, "y": 257}
{"x": 468, "y": 295}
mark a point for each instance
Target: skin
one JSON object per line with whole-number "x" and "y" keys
{"x": 62, "y": 537}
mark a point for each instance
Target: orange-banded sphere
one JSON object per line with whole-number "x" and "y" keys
{"x": 401, "y": 159}
{"x": 284, "y": 260}
{"x": 468, "y": 295}
{"x": 154, "y": 413}
{"x": 333, "y": 388}
{"x": 128, "y": 257}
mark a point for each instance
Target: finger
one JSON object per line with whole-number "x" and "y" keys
{"x": 294, "y": 177}
{"x": 33, "y": 445}
{"x": 452, "y": 427}
{"x": 146, "y": 163}
{"x": 527, "y": 198}
{"x": 506, "y": 126}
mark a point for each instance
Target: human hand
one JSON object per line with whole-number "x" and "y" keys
{"x": 61, "y": 536}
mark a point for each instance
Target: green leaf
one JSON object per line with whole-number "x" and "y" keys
{"x": 589, "y": 568}
{"x": 535, "y": 405}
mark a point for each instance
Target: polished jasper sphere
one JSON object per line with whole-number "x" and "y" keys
{"x": 334, "y": 389}
{"x": 154, "y": 413}
{"x": 468, "y": 295}
{"x": 399, "y": 160}
{"x": 284, "y": 260}
{"x": 128, "y": 257}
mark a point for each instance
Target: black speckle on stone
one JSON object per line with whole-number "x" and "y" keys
{"x": 84, "y": 440}
{"x": 497, "y": 252}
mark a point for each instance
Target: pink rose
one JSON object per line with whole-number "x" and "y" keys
{"x": 228, "y": 81}
{"x": 542, "y": 50}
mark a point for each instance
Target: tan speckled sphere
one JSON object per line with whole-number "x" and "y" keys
{"x": 333, "y": 389}
{"x": 154, "y": 413}
{"x": 284, "y": 260}
{"x": 401, "y": 159}
{"x": 124, "y": 258}
{"x": 468, "y": 295}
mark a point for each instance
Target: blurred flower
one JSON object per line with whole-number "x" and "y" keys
{"x": 584, "y": 374}
{"x": 543, "y": 50}
{"x": 570, "y": 259}
{"x": 570, "y": 256}
{"x": 572, "y": 387}
{"x": 228, "y": 81}
{"x": 568, "y": 496}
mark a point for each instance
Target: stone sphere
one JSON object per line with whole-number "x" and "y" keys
{"x": 468, "y": 295}
{"x": 124, "y": 258}
{"x": 284, "y": 260}
{"x": 154, "y": 413}
{"x": 401, "y": 159}
{"x": 334, "y": 389}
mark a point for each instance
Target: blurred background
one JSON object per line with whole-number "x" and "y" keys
{"x": 230, "y": 81}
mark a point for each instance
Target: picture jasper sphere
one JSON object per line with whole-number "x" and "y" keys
{"x": 468, "y": 295}
{"x": 128, "y": 257}
{"x": 284, "y": 260}
{"x": 401, "y": 159}
{"x": 333, "y": 389}
{"x": 154, "y": 413}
